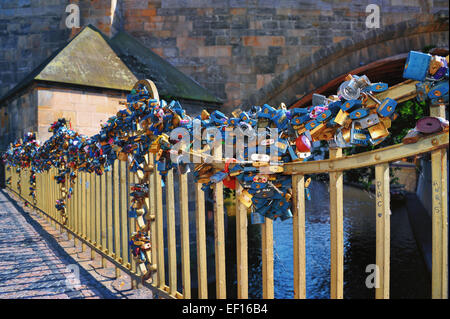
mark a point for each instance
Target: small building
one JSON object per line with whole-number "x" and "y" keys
{"x": 84, "y": 81}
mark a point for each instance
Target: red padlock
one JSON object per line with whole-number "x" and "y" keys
{"x": 303, "y": 144}
{"x": 229, "y": 182}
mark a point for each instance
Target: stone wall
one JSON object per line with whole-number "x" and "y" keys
{"x": 86, "y": 110}
{"x": 232, "y": 47}
{"x": 235, "y": 47}
{"x": 18, "y": 118}
{"x": 30, "y": 31}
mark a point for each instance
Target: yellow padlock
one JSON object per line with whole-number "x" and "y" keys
{"x": 378, "y": 131}
{"x": 246, "y": 198}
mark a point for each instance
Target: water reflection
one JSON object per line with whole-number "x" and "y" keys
{"x": 409, "y": 277}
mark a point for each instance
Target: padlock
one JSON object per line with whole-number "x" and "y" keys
{"x": 358, "y": 136}
{"x": 359, "y": 113}
{"x": 416, "y": 66}
{"x": 246, "y": 198}
{"x": 422, "y": 89}
{"x": 368, "y": 121}
{"x": 438, "y": 90}
{"x": 256, "y": 218}
{"x": 307, "y": 193}
{"x": 324, "y": 116}
{"x": 376, "y": 87}
{"x": 266, "y": 111}
{"x": 378, "y": 131}
{"x": 438, "y": 67}
{"x": 387, "y": 107}
{"x": 341, "y": 117}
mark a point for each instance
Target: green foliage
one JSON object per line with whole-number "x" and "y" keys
{"x": 409, "y": 112}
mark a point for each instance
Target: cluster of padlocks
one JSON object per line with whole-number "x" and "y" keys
{"x": 432, "y": 72}
{"x": 353, "y": 116}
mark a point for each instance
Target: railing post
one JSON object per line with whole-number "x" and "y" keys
{"x": 337, "y": 229}
{"x": 267, "y": 258}
{"x": 103, "y": 209}
{"x": 151, "y": 218}
{"x": 298, "y": 223}
{"x": 116, "y": 181}
{"x": 171, "y": 235}
{"x": 439, "y": 276}
{"x": 383, "y": 231}
{"x": 219, "y": 233}
{"x": 184, "y": 227}
{"x": 159, "y": 230}
{"x": 124, "y": 213}
{"x": 201, "y": 242}
{"x": 241, "y": 246}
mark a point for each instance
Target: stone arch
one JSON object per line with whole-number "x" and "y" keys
{"x": 337, "y": 60}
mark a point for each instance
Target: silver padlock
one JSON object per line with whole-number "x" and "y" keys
{"x": 368, "y": 121}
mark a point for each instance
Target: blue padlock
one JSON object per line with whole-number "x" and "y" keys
{"x": 334, "y": 107}
{"x": 266, "y": 111}
{"x": 416, "y": 66}
{"x": 376, "y": 87}
{"x": 359, "y": 113}
{"x": 300, "y": 119}
{"x": 387, "y": 107}
{"x": 307, "y": 194}
{"x": 350, "y": 105}
{"x": 359, "y": 137}
{"x": 438, "y": 90}
{"x": 422, "y": 89}
{"x": 256, "y": 218}
{"x": 325, "y": 115}
{"x": 311, "y": 124}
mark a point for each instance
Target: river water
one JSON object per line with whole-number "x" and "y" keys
{"x": 409, "y": 276}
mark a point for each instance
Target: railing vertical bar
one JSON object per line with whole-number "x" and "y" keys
{"x": 219, "y": 234}
{"x": 151, "y": 217}
{"x": 241, "y": 246}
{"x": 132, "y": 222}
{"x": 88, "y": 206}
{"x": 201, "y": 242}
{"x": 124, "y": 212}
{"x": 103, "y": 219}
{"x": 109, "y": 212}
{"x": 439, "y": 273}
{"x": 382, "y": 229}
{"x": 91, "y": 212}
{"x": 184, "y": 228}
{"x": 267, "y": 258}
{"x": 159, "y": 231}
{"x": 116, "y": 182}
{"x": 439, "y": 276}
{"x": 84, "y": 208}
{"x": 97, "y": 211}
{"x": 171, "y": 235}
{"x": 298, "y": 223}
{"x": 337, "y": 229}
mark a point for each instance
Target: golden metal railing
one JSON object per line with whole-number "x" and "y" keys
{"x": 97, "y": 216}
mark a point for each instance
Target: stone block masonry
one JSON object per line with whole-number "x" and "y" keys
{"x": 232, "y": 48}
{"x": 235, "y": 47}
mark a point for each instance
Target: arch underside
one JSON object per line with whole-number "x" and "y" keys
{"x": 328, "y": 66}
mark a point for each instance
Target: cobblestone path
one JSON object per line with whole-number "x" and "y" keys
{"x": 37, "y": 261}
